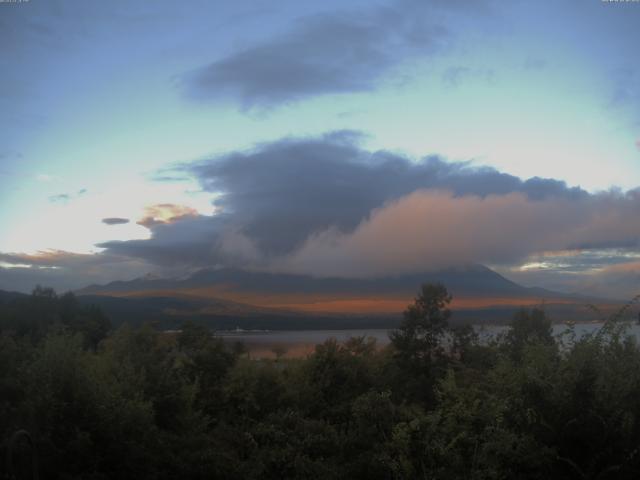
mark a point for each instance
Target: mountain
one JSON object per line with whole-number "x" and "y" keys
{"x": 171, "y": 313}
{"x": 9, "y": 296}
{"x": 246, "y": 280}
{"x": 472, "y": 286}
{"x": 469, "y": 281}
{"x": 231, "y": 298}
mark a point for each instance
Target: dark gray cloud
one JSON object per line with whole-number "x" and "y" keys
{"x": 281, "y": 192}
{"x": 332, "y": 53}
{"x": 314, "y": 204}
{"x": 115, "y": 221}
{"x": 188, "y": 240}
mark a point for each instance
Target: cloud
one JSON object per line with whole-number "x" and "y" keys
{"x": 326, "y": 206}
{"x": 165, "y": 213}
{"x": 616, "y": 281}
{"x": 115, "y": 221}
{"x": 281, "y": 192}
{"x": 613, "y": 273}
{"x": 51, "y": 259}
{"x": 333, "y": 53}
{"x": 188, "y": 240}
{"x": 65, "y": 270}
{"x": 431, "y": 229}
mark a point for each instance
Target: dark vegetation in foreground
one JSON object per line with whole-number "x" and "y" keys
{"x": 135, "y": 403}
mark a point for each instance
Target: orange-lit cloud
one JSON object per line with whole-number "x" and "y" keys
{"x": 630, "y": 267}
{"x": 428, "y": 229}
{"x": 165, "y": 213}
{"x": 46, "y": 258}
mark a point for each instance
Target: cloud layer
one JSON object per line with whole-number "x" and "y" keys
{"x": 65, "y": 270}
{"x": 340, "y": 52}
{"x": 326, "y": 206}
{"x": 431, "y": 229}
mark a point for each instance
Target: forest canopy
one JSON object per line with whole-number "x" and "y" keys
{"x": 140, "y": 403}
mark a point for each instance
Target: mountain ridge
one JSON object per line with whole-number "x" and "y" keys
{"x": 472, "y": 280}
{"x": 229, "y": 298}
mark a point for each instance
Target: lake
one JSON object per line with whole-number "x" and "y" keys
{"x": 299, "y": 343}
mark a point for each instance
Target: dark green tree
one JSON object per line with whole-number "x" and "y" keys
{"x": 417, "y": 343}
{"x": 529, "y": 327}
{"x": 418, "y": 339}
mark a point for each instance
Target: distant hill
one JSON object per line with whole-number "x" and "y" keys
{"x": 8, "y": 296}
{"x": 230, "y": 298}
{"x": 226, "y": 298}
{"x": 470, "y": 281}
{"x": 171, "y": 313}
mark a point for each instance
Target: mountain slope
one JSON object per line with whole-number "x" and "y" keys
{"x": 474, "y": 283}
{"x": 6, "y": 296}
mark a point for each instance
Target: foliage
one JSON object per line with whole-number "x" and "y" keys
{"x": 436, "y": 403}
{"x": 418, "y": 342}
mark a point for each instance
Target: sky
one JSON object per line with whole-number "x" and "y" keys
{"x": 336, "y": 138}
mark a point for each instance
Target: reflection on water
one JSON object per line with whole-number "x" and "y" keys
{"x": 299, "y": 343}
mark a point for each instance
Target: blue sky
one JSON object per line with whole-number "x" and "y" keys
{"x": 103, "y": 102}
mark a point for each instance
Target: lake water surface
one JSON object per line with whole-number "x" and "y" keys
{"x": 299, "y": 343}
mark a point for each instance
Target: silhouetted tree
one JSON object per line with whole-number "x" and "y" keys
{"x": 424, "y": 324}
{"x": 418, "y": 340}
{"x": 529, "y": 327}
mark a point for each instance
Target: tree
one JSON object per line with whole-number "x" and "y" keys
{"x": 425, "y": 323}
{"x": 529, "y": 328}
{"x": 205, "y": 361}
{"x": 417, "y": 344}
